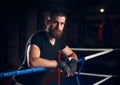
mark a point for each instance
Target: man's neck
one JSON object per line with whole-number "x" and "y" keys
{"x": 51, "y": 39}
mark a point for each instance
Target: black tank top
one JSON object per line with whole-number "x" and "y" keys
{"x": 48, "y": 51}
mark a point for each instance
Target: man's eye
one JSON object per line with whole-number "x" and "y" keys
{"x": 62, "y": 23}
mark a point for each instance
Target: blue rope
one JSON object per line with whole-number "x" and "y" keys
{"x": 81, "y": 60}
{"x": 20, "y": 72}
{"x": 27, "y": 71}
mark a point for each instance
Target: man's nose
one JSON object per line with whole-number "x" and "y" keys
{"x": 58, "y": 26}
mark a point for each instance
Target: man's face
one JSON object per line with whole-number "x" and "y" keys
{"x": 56, "y": 26}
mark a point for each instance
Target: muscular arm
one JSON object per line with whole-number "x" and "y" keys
{"x": 34, "y": 59}
{"x": 69, "y": 53}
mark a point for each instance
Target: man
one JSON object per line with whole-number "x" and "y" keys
{"x": 42, "y": 51}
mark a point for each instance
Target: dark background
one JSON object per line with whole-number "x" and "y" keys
{"x": 20, "y": 18}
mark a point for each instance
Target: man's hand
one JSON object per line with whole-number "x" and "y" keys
{"x": 73, "y": 66}
{"x": 64, "y": 67}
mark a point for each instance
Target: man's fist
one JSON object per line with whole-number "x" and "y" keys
{"x": 73, "y": 66}
{"x": 64, "y": 67}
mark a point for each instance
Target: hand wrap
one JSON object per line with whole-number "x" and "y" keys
{"x": 64, "y": 67}
{"x": 73, "y": 66}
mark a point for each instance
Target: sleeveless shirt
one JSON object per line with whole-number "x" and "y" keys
{"x": 48, "y": 51}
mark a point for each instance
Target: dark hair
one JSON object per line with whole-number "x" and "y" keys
{"x": 57, "y": 13}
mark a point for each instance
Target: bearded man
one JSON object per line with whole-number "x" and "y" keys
{"x": 42, "y": 51}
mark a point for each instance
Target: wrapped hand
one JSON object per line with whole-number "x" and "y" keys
{"x": 64, "y": 67}
{"x": 73, "y": 66}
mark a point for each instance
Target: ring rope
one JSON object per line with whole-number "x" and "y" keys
{"x": 92, "y": 49}
{"x": 20, "y": 72}
{"x": 98, "y": 54}
{"x": 31, "y": 70}
{"x": 101, "y": 81}
{"x": 81, "y": 60}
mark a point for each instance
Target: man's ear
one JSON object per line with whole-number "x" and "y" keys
{"x": 47, "y": 20}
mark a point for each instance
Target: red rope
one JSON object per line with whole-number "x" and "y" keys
{"x": 58, "y": 69}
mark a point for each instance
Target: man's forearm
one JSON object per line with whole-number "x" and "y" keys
{"x": 41, "y": 62}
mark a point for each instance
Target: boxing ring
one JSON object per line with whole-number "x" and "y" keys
{"x": 79, "y": 73}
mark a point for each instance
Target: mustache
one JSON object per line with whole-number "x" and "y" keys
{"x": 57, "y": 30}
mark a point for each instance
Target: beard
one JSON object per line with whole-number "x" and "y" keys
{"x": 55, "y": 33}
